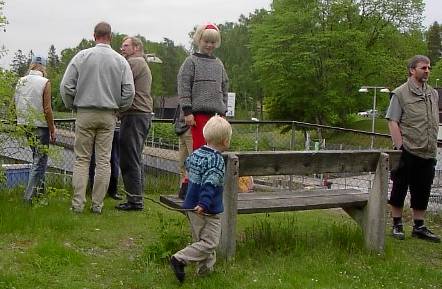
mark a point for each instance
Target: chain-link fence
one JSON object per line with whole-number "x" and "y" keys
{"x": 160, "y": 157}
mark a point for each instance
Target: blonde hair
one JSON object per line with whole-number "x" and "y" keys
{"x": 209, "y": 32}
{"x": 39, "y": 67}
{"x": 217, "y": 130}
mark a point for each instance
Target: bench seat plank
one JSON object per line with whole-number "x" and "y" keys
{"x": 281, "y": 201}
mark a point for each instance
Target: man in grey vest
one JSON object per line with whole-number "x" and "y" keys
{"x": 97, "y": 83}
{"x": 413, "y": 120}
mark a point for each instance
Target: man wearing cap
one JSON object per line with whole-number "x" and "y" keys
{"x": 97, "y": 83}
{"x": 34, "y": 112}
{"x": 135, "y": 124}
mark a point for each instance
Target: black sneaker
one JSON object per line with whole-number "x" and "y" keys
{"x": 424, "y": 233}
{"x": 129, "y": 207}
{"x": 398, "y": 232}
{"x": 178, "y": 268}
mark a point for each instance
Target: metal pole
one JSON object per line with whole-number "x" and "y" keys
{"x": 373, "y": 113}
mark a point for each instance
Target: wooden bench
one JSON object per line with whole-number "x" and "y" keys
{"x": 367, "y": 208}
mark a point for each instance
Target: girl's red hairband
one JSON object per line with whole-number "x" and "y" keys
{"x": 211, "y": 26}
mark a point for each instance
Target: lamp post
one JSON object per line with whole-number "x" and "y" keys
{"x": 256, "y": 132}
{"x": 365, "y": 89}
{"x": 437, "y": 79}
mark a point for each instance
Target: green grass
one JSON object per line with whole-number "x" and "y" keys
{"x": 47, "y": 246}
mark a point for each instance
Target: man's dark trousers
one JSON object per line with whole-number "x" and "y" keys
{"x": 133, "y": 133}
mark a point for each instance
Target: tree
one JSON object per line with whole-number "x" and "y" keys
{"x": 236, "y": 56}
{"x": 20, "y": 63}
{"x": 3, "y": 22}
{"x": 434, "y": 43}
{"x": 311, "y": 56}
{"x": 53, "y": 59}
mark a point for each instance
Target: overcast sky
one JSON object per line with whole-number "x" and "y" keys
{"x": 36, "y": 24}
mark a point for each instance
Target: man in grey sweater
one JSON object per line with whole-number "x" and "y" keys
{"x": 135, "y": 124}
{"x": 97, "y": 84}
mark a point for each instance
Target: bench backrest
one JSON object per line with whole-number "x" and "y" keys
{"x": 264, "y": 163}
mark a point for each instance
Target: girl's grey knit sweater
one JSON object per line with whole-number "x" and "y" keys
{"x": 203, "y": 85}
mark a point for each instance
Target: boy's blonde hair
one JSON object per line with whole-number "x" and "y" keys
{"x": 217, "y": 130}
{"x": 209, "y": 32}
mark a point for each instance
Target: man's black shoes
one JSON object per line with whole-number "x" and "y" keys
{"x": 424, "y": 233}
{"x": 178, "y": 268}
{"x": 129, "y": 207}
{"x": 398, "y": 232}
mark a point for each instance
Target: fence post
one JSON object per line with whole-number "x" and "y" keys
{"x": 292, "y": 146}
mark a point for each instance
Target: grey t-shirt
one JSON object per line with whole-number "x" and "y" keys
{"x": 394, "y": 111}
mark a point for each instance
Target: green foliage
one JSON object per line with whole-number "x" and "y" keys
{"x": 3, "y": 22}
{"x": 436, "y": 73}
{"x": 164, "y": 75}
{"x": 236, "y": 56}
{"x": 312, "y": 56}
{"x": 8, "y": 81}
{"x": 20, "y": 63}
{"x": 434, "y": 43}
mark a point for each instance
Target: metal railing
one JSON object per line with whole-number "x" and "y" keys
{"x": 160, "y": 157}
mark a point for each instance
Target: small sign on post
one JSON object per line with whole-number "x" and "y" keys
{"x": 231, "y": 97}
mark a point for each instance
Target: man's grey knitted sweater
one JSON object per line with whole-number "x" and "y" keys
{"x": 203, "y": 85}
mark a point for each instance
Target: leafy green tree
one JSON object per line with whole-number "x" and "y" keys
{"x": 172, "y": 57}
{"x": 164, "y": 75}
{"x": 20, "y": 63}
{"x": 311, "y": 56}
{"x": 53, "y": 59}
{"x": 436, "y": 74}
{"x": 236, "y": 56}
{"x": 3, "y": 22}
{"x": 434, "y": 42}
{"x": 55, "y": 74}
{"x": 8, "y": 80}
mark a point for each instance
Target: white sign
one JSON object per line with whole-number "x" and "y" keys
{"x": 231, "y": 96}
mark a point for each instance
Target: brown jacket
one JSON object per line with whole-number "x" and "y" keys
{"x": 143, "y": 102}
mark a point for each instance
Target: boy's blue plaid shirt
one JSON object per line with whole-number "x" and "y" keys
{"x": 205, "y": 168}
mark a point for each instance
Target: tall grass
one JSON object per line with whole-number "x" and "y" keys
{"x": 47, "y": 246}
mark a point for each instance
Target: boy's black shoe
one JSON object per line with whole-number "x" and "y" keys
{"x": 178, "y": 269}
{"x": 424, "y": 233}
{"x": 398, "y": 232}
{"x": 129, "y": 207}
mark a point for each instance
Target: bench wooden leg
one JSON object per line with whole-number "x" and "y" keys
{"x": 227, "y": 244}
{"x": 372, "y": 217}
{"x": 375, "y": 212}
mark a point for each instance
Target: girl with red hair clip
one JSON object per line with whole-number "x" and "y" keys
{"x": 202, "y": 84}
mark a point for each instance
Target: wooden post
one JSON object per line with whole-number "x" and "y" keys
{"x": 375, "y": 211}
{"x": 227, "y": 244}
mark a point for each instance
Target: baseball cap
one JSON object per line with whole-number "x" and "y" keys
{"x": 39, "y": 59}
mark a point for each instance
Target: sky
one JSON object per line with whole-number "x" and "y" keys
{"x": 36, "y": 24}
